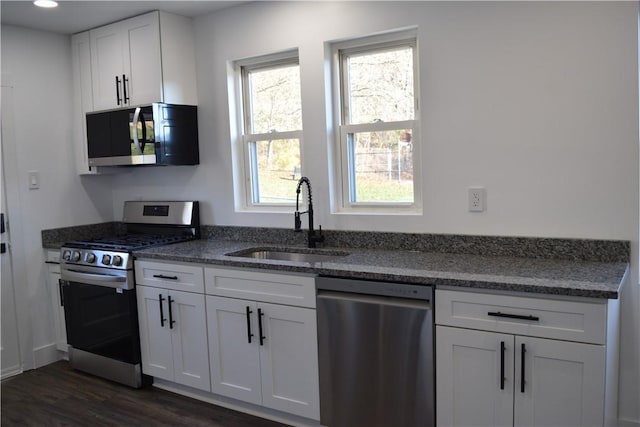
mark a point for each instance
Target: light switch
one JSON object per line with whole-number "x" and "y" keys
{"x": 34, "y": 180}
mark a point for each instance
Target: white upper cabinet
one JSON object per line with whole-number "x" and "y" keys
{"x": 82, "y": 98}
{"x": 128, "y": 61}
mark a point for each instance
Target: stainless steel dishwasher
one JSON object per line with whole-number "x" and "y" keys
{"x": 375, "y": 345}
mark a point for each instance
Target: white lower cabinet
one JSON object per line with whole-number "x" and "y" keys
{"x": 173, "y": 336}
{"x": 249, "y": 335}
{"x": 479, "y": 380}
{"x": 492, "y": 377}
{"x": 53, "y": 280}
{"x": 262, "y": 352}
{"x": 468, "y": 388}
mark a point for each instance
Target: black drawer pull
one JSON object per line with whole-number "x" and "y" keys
{"x": 162, "y": 319}
{"x": 124, "y": 89}
{"x": 249, "y": 333}
{"x": 513, "y": 316}
{"x": 118, "y": 99}
{"x": 171, "y": 321}
{"x": 61, "y": 294}
{"x": 162, "y": 276}
{"x": 262, "y": 337}
{"x": 502, "y": 365}
{"x": 523, "y": 350}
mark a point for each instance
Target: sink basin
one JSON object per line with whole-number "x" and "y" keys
{"x": 289, "y": 254}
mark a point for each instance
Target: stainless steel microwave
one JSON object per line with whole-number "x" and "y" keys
{"x": 156, "y": 134}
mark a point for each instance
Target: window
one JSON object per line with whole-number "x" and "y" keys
{"x": 378, "y": 124}
{"x": 271, "y": 130}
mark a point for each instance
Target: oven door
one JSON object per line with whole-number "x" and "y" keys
{"x": 101, "y": 315}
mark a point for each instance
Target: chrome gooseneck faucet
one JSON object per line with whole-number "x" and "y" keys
{"x": 313, "y": 237}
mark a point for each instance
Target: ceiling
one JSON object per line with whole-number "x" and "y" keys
{"x": 75, "y": 16}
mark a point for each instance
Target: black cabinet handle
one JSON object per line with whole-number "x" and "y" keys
{"x": 171, "y": 321}
{"x": 162, "y": 319}
{"x": 61, "y": 294}
{"x": 118, "y": 100}
{"x": 162, "y": 276}
{"x": 523, "y": 350}
{"x": 125, "y": 80}
{"x": 513, "y": 316}
{"x": 249, "y": 334}
{"x": 262, "y": 337}
{"x": 502, "y": 365}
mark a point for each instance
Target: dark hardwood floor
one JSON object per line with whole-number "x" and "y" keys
{"x": 56, "y": 395}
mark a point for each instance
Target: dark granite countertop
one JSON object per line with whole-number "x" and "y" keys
{"x": 583, "y": 278}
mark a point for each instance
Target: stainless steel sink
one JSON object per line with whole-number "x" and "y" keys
{"x": 289, "y": 254}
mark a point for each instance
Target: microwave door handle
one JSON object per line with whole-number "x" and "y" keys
{"x": 136, "y": 141}
{"x": 144, "y": 131}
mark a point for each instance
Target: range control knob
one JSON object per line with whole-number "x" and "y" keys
{"x": 75, "y": 256}
{"x": 90, "y": 257}
{"x": 66, "y": 255}
{"x": 106, "y": 259}
{"x": 117, "y": 260}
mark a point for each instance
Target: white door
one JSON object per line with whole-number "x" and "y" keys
{"x": 289, "y": 359}
{"x": 233, "y": 353}
{"x": 108, "y": 63}
{"x": 470, "y": 390}
{"x": 144, "y": 75}
{"x": 564, "y": 383}
{"x": 188, "y": 325}
{"x": 155, "y": 335}
{"x": 9, "y": 341}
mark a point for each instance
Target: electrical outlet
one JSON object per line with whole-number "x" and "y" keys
{"x": 476, "y": 199}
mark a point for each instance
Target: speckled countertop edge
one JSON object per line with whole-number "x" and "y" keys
{"x": 541, "y": 276}
{"x": 573, "y": 267}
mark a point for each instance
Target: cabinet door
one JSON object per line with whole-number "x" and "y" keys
{"x": 563, "y": 383}
{"x": 469, "y": 389}
{"x": 58, "y": 308}
{"x": 82, "y": 98}
{"x": 289, "y": 359}
{"x": 128, "y": 51}
{"x": 141, "y": 36}
{"x": 189, "y": 339}
{"x": 234, "y": 356}
{"x": 155, "y": 335}
{"x": 108, "y": 61}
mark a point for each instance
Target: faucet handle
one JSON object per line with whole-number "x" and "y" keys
{"x": 297, "y": 222}
{"x": 320, "y": 237}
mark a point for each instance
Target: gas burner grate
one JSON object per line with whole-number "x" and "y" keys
{"x": 129, "y": 242}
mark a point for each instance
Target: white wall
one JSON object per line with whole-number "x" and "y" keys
{"x": 37, "y": 65}
{"x": 536, "y": 101}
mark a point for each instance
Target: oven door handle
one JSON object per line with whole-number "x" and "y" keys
{"x": 106, "y": 280}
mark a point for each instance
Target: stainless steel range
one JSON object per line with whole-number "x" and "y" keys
{"x": 98, "y": 288}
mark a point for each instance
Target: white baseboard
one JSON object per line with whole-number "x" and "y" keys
{"x": 46, "y": 355}
{"x": 10, "y": 372}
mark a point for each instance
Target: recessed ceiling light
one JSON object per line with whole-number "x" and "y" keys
{"x": 46, "y": 3}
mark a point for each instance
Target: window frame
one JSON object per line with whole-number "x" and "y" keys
{"x": 245, "y": 160}
{"x": 343, "y": 200}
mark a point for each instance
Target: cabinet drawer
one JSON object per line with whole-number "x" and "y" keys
{"x": 179, "y": 277}
{"x": 290, "y": 289}
{"x": 53, "y": 257}
{"x": 521, "y": 315}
